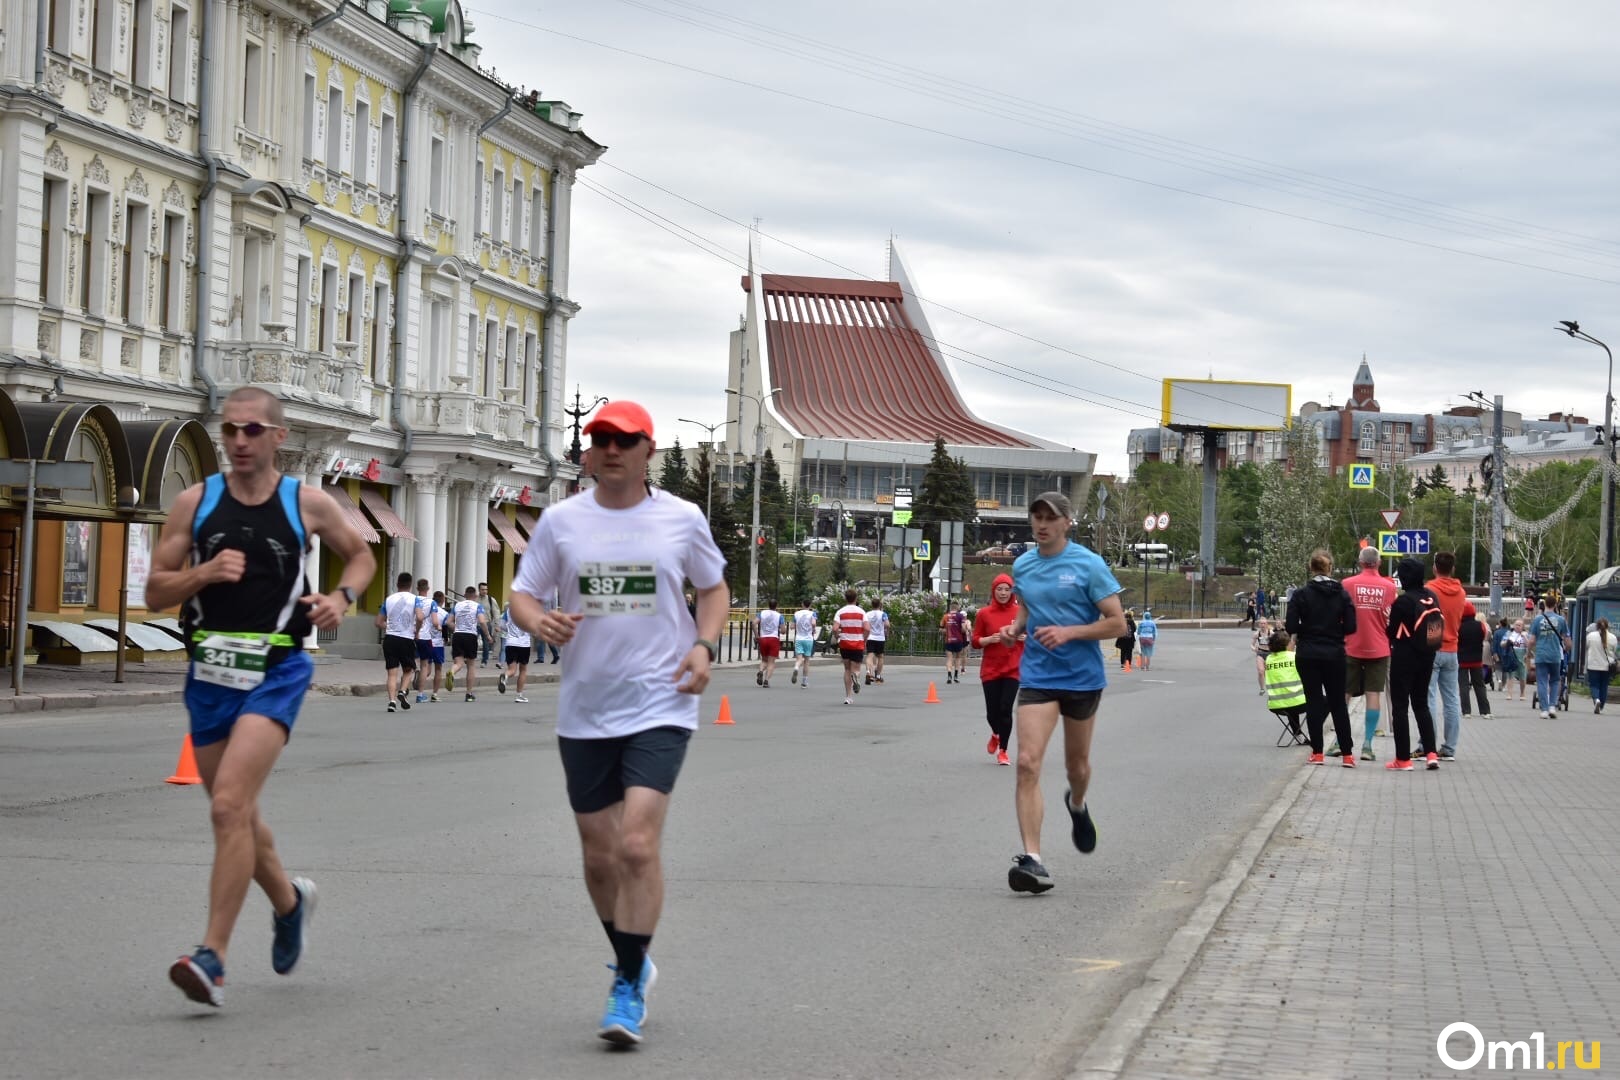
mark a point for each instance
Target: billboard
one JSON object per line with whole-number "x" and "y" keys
{"x": 1225, "y": 405}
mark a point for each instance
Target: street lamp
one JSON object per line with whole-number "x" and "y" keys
{"x": 1606, "y": 519}
{"x": 759, "y": 449}
{"x": 708, "y": 511}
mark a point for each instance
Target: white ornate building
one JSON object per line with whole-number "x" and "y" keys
{"x": 326, "y": 199}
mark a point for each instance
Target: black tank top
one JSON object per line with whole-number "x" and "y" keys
{"x": 272, "y": 537}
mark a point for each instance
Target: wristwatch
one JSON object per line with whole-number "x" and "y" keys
{"x": 712, "y": 646}
{"x": 348, "y": 593}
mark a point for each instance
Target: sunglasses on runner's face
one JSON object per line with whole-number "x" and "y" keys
{"x": 624, "y": 440}
{"x": 252, "y": 430}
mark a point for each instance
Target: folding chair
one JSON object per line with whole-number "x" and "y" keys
{"x": 1299, "y": 738}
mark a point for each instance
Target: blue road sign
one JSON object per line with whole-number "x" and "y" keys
{"x": 1404, "y": 542}
{"x": 1361, "y": 477}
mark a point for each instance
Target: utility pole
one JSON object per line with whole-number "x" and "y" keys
{"x": 1498, "y": 504}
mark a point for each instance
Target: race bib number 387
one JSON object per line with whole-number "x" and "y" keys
{"x": 607, "y": 588}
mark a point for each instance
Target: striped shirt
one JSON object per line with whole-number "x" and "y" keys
{"x": 851, "y": 622}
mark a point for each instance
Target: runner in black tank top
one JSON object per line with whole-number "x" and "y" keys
{"x": 232, "y": 556}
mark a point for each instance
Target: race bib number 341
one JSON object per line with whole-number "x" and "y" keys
{"x": 238, "y": 663}
{"x": 607, "y": 588}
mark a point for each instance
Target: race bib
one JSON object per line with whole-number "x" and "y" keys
{"x": 618, "y": 588}
{"x": 238, "y": 663}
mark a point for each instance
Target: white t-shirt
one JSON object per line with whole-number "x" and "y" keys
{"x": 804, "y": 624}
{"x": 770, "y": 623}
{"x": 517, "y": 637}
{"x": 467, "y": 612}
{"x": 877, "y": 625}
{"x": 438, "y": 618}
{"x": 399, "y": 610}
{"x": 430, "y": 612}
{"x": 624, "y": 570}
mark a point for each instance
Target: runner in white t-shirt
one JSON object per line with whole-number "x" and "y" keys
{"x": 398, "y": 619}
{"x": 438, "y": 615}
{"x": 850, "y": 623}
{"x": 633, "y": 666}
{"x": 805, "y": 628}
{"x": 877, "y": 637}
{"x": 768, "y": 632}
{"x": 469, "y": 626}
{"x": 515, "y": 653}
{"x": 428, "y": 611}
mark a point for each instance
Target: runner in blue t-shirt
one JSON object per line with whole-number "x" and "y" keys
{"x": 1068, "y": 602}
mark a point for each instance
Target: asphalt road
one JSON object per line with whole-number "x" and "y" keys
{"x": 837, "y": 901}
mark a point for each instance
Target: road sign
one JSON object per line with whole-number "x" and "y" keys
{"x": 1150, "y": 523}
{"x": 1404, "y": 542}
{"x": 1391, "y": 518}
{"x": 1361, "y": 477}
{"x": 1164, "y": 521}
{"x": 1544, "y": 573}
{"x": 902, "y": 497}
{"x": 66, "y": 475}
{"x": 902, "y": 558}
{"x": 901, "y": 517}
{"x": 1507, "y": 579}
{"x": 924, "y": 550}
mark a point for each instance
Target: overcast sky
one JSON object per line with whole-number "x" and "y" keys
{"x": 1106, "y": 194}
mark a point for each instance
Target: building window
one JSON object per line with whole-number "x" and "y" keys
{"x": 252, "y": 86}
{"x": 436, "y": 177}
{"x": 510, "y": 363}
{"x": 385, "y": 156}
{"x": 478, "y": 198}
{"x": 171, "y": 285}
{"x": 1369, "y": 433}
{"x": 519, "y": 208}
{"x": 486, "y": 384}
{"x": 497, "y": 208}
{"x": 472, "y": 350}
{"x": 58, "y": 29}
{"x": 529, "y": 346}
{"x": 362, "y": 143}
{"x": 353, "y": 326}
{"x": 306, "y": 277}
{"x": 537, "y": 224}
{"x": 53, "y": 242}
{"x": 379, "y": 335}
{"x": 103, "y": 33}
{"x": 309, "y": 116}
{"x": 180, "y": 53}
{"x": 334, "y": 126}
{"x": 132, "y": 300}
{"x": 93, "y": 253}
{"x": 328, "y": 324}
{"x": 140, "y": 45}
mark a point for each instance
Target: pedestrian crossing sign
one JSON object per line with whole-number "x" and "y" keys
{"x": 1361, "y": 477}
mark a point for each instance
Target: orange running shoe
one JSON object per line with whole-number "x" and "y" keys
{"x": 994, "y": 745}
{"x": 1399, "y": 765}
{"x": 1001, "y": 758}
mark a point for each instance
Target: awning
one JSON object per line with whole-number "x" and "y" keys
{"x": 528, "y": 521}
{"x": 387, "y": 520}
{"x": 506, "y": 530}
{"x": 493, "y": 540}
{"x": 352, "y": 512}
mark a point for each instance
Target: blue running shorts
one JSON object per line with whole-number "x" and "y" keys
{"x": 214, "y": 709}
{"x": 804, "y": 647}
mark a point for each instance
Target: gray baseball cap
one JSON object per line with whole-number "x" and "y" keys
{"x": 1055, "y": 501}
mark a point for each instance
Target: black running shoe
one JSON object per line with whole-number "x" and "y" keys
{"x": 1028, "y": 875}
{"x": 404, "y": 701}
{"x": 1085, "y": 832}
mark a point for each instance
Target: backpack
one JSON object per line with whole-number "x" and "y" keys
{"x": 1428, "y": 629}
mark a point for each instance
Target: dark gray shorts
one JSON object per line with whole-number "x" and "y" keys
{"x": 598, "y": 770}
{"x": 1073, "y": 704}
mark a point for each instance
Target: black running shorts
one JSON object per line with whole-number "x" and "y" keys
{"x": 518, "y": 654}
{"x": 399, "y": 652}
{"x": 464, "y": 646}
{"x": 1072, "y": 704}
{"x": 598, "y": 770}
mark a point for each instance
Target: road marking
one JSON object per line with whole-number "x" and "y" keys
{"x": 1089, "y": 966}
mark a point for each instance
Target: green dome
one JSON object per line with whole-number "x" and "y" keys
{"x": 436, "y": 9}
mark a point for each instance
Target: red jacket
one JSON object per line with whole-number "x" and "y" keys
{"x": 1449, "y": 591}
{"x": 999, "y": 661}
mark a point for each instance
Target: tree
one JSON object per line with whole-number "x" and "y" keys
{"x": 722, "y": 519}
{"x": 798, "y": 583}
{"x": 1553, "y": 517}
{"x": 1291, "y": 510}
{"x": 1237, "y": 514}
{"x": 946, "y": 494}
{"x": 673, "y": 475}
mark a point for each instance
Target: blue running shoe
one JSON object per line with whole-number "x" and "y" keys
{"x": 1083, "y": 829}
{"x": 649, "y": 976}
{"x": 626, "y": 1009}
{"x": 292, "y": 928}
{"x": 200, "y": 976}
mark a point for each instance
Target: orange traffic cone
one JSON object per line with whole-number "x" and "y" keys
{"x": 725, "y": 711}
{"x": 185, "y": 772}
{"x": 933, "y": 695}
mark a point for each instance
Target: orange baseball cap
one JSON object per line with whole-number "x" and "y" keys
{"x": 625, "y": 416}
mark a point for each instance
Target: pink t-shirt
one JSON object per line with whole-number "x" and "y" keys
{"x": 1372, "y": 594}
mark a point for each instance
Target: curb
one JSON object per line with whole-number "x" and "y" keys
{"x": 85, "y": 699}
{"x": 1108, "y": 1054}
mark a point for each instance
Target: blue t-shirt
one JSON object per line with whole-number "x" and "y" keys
{"x": 1062, "y": 590}
{"x": 1549, "y": 631}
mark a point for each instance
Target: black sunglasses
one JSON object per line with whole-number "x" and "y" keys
{"x": 252, "y": 430}
{"x": 624, "y": 440}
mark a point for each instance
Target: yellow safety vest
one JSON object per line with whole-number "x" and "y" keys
{"x": 1283, "y": 688}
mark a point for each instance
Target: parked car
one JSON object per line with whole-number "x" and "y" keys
{"x": 817, "y": 543}
{"x": 856, "y": 549}
{"x": 993, "y": 549}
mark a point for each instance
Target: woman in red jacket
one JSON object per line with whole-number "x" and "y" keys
{"x": 998, "y": 668}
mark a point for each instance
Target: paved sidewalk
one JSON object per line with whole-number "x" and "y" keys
{"x": 1387, "y": 906}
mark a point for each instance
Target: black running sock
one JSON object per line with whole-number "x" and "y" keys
{"x": 631, "y": 950}
{"x": 607, "y": 925}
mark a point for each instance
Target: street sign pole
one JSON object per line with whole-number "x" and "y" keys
{"x": 24, "y": 579}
